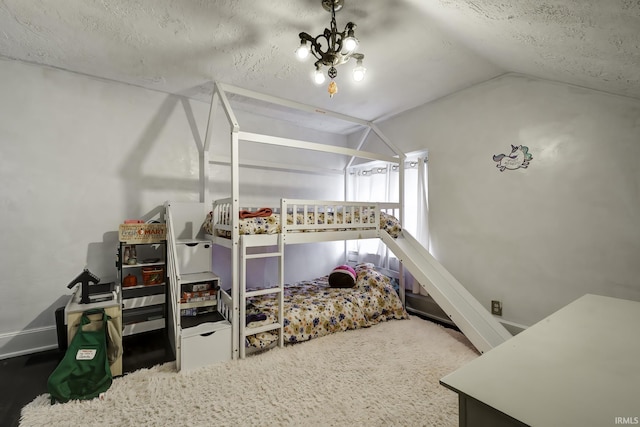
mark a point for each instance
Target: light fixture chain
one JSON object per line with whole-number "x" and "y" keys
{"x": 334, "y": 27}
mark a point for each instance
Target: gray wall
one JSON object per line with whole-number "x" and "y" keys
{"x": 534, "y": 238}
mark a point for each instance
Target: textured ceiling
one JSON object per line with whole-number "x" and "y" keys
{"x": 415, "y": 51}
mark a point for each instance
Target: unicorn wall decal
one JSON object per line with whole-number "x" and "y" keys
{"x": 518, "y": 158}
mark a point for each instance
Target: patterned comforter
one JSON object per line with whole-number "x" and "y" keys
{"x": 271, "y": 224}
{"x": 313, "y": 309}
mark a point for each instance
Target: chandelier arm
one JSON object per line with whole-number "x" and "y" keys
{"x": 324, "y": 56}
{"x": 305, "y": 37}
{"x": 315, "y": 46}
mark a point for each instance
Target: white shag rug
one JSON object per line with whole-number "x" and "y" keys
{"x": 385, "y": 375}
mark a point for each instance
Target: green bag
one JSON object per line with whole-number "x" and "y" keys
{"x": 84, "y": 371}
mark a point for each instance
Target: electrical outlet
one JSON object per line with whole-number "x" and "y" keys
{"x": 496, "y": 307}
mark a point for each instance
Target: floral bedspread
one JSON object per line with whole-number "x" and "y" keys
{"x": 271, "y": 224}
{"x": 313, "y": 309}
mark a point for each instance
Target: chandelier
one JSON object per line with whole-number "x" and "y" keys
{"x": 332, "y": 48}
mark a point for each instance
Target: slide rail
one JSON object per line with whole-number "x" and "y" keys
{"x": 476, "y": 323}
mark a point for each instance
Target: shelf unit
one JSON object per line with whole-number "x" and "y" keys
{"x": 200, "y": 334}
{"x": 144, "y": 303}
{"x": 198, "y": 285}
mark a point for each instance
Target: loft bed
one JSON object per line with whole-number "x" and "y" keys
{"x": 257, "y": 315}
{"x": 307, "y": 221}
{"x": 310, "y": 308}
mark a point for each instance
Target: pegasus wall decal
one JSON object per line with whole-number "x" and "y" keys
{"x": 518, "y": 158}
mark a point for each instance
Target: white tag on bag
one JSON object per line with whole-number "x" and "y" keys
{"x": 86, "y": 354}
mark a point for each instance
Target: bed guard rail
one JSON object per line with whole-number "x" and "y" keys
{"x": 221, "y": 215}
{"x": 310, "y": 215}
{"x": 225, "y": 305}
{"x": 314, "y": 215}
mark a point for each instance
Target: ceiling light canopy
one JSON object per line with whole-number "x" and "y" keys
{"x": 332, "y": 48}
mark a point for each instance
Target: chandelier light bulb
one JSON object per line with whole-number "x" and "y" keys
{"x": 318, "y": 77}
{"x": 359, "y": 72}
{"x": 350, "y": 44}
{"x": 302, "y": 52}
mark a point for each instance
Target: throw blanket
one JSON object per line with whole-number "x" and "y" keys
{"x": 313, "y": 309}
{"x": 260, "y": 213}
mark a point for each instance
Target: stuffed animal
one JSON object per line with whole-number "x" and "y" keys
{"x": 343, "y": 276}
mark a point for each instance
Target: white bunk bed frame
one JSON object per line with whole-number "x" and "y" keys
{"x": 482, "y": 329}
{"x": 234, "y": 304}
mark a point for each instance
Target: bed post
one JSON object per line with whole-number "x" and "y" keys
{"x": 235, "y": 235}
{"x": 401, "y": 159}
{"x": 235, "y": 208}
{"x": 204, "y": 153}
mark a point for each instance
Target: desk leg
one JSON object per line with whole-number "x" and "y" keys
{"x": 473, "y": 413}
{"x": 462, "y": 410}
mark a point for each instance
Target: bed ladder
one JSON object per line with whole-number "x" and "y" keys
{"x": 244, "y": 293}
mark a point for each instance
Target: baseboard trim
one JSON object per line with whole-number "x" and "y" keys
{"x": 29, "y": 341}
{"x": 424, "y": 305}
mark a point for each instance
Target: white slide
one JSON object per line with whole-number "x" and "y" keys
{"x": 475, "y": 322}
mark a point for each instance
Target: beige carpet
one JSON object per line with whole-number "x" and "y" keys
{"x": 386, "y": 375}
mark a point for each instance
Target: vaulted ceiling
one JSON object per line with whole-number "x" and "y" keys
{"x": 415, "y": 50}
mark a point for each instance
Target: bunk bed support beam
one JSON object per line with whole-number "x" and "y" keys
{"x": 231, "y": 117}
{"x": 386, "y": 140}
{"x": 203, "y": 157}
{"x": 363, "y": 138}
{"x": 288, "y": 103}
{"x": 259, "y": 164}
{"x": 304, "y": 145}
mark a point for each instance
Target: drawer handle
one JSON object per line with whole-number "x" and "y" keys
{"x": 207, "y": 334}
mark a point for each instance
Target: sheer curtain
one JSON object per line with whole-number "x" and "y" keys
{"x": 379, "y": 182}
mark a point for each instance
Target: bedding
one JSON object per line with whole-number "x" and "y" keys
{"x": 313, "y": 309}
{"x": 270, "y": 224}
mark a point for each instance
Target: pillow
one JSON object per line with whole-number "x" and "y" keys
{"x": 343, "y": 276}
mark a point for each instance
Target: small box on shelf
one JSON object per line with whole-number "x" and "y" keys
{"x": 142, "y": 233}
{"x": 152, "y": 275}
{"x": 197, "y": 287}
{"x": 199, "y": 296}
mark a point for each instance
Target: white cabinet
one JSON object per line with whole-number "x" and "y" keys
{"x": 201, "y": 334}
{"x": 205, "y": 344}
